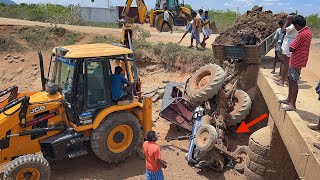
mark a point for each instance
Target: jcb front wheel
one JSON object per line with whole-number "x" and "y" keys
{"x": 116, "y": 137}
{"x": 31, "y": 167}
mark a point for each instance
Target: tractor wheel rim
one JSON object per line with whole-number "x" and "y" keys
{"x": 120, "y": 138}
{"x": 28, "y": 174}
{"x": 204, "y": 136}
{"x": 202, "y": 80}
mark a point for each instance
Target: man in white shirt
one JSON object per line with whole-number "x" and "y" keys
{"x": 291, "y": 34}
{"x": 166, "y": 19}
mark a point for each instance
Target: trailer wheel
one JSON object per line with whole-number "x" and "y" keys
{"x": 29, "y": 166}
{"x": 205, "y": 83}
{"x": 116, "y": 137}
{"x": 260, "y": 141}
{"x": 242, "y": 157}
{"x": 158, "y": 22}
{"x": 241, "y": 108}
{"x": 265, "y": 161}
{"x": 251, "y": 175}
{"x": 206, "y": 137}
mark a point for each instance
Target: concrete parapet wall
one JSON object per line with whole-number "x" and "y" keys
{"x": 294, "y": 133}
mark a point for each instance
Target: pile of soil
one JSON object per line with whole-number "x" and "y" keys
{"x": 251, "y": 28}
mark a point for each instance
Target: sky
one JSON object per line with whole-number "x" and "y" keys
{"x": 305, "y": 7}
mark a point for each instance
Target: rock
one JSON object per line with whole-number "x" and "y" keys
{"x": 9, "y": 55}
{"x": 16, "y": 61}
{"x": 34, "y": 73}
{"x": 5, "y": 58}
{"x": 22, "y": 60}
{"x": 35, "y": 68}
{"x": 11, "y": 61}
{"x": 16, "y": 57}
{"x": 33, "y": 65}
{"x": 19, "y": 71}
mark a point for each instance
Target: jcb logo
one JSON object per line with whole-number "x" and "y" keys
{"x": 37, "y": 109}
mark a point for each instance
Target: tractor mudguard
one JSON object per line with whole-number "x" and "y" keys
{"x": 175, "y": 108}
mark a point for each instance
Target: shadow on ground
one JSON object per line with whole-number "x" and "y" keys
{"x": 90, "y": 167}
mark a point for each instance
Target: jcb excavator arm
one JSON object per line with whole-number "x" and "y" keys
{"x": 142, "y": 9}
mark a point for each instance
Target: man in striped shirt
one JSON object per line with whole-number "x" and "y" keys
{"x": 300, "y": 52}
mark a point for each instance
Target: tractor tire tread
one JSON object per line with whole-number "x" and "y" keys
{"x": 216, "y": 80}
{"x": 241, "y": 110}
{"x": 27, "y": 161}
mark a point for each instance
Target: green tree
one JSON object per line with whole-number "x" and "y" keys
{"x": 313, "y": 21}
{"x": 188, "y": 6}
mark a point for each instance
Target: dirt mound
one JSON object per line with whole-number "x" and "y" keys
{"x": 251, "y": 28}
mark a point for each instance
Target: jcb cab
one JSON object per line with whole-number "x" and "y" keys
{"x": 74, "y": 111}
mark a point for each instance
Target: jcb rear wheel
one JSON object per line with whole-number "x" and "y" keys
{"x": 158, "y": 23}
{"x": 116, "y": 137}
{"x": 31, "y": 167}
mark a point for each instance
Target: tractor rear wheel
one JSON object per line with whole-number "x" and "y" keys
{"x": 116, "y": 137}
{"x": 205, "y": 83}
{"x": 158, "y": 23}
{"x": 29, "y": 166}
{"x": 241, "y": 108}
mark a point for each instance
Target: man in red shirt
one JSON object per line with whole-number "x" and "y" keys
{"x": 300, "y": 52}
{"x": 154, "y": 164}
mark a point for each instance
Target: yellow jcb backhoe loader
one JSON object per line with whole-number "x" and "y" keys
{"x": 179, "y": 15}
{"x": 73, "y": 112}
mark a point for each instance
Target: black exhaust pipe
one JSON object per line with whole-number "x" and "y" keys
{"x": 43, "y": 79}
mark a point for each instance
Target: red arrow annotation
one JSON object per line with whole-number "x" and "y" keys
{"x": 244, "y": 128}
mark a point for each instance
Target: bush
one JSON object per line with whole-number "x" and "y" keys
{"x": 8, "y": 43}
{"x": 72, "y": 38}
{"x": 313, "y": 21}
{"x": 176, "y": 57}
{"x": 223, "y": 19}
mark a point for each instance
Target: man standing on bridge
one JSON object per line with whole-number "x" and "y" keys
{"x": 299, "y": 58}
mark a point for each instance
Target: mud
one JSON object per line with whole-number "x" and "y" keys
{"x": 251, "y": 28}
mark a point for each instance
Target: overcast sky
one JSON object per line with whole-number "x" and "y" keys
{"x": 304, "y": 7}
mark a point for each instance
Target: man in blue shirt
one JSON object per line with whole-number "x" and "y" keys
{"x": 118, "y": 92}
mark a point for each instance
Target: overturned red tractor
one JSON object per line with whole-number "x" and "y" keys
{"x": 207, "y": 105}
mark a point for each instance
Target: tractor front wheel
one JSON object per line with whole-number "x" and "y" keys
{"x": 31, "y": 167}
{"x": 116, "y": 137}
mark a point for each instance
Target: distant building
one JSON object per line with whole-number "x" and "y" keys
{"x": 104, "y": 15}
{"x": 97, "y": 15}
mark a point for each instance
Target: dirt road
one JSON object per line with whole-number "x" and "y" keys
{"x": 152, "y": 75}
{"x": 155, "y": 35}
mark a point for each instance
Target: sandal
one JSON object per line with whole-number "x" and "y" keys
{"x": 278, "y": 82}
{"x": 315, "y": 128}
{"x": 288, "y": 108}
{"x": 283, "y": 101}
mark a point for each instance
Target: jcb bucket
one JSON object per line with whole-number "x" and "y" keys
{"x": 175, "y": 108}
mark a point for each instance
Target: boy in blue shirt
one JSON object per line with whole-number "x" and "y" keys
{"x": 277, "y": 43}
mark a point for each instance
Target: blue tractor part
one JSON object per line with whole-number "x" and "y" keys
{"x": 197, "y": 116}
